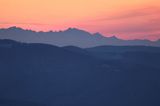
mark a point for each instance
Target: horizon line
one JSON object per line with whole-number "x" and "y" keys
{"x": 27, "y": 29}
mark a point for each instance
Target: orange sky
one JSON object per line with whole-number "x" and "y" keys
{"x": 127, "y": 19}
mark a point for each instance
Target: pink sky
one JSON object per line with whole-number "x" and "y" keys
{"x": 127, "y": 19}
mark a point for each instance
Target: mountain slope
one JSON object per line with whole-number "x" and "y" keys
{"x": 71, "y": 76}
{"x": 71, "y": 36}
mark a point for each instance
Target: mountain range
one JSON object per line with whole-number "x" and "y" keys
{"x": 34, "y": 74}
{"x": 71, "y": 36}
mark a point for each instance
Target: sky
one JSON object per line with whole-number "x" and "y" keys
{"x": 126, "y": 19}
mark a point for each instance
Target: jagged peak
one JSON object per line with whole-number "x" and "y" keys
{"x": 158, "y": 40}
{"x": 97, "y": 34}
{"x": 113, "y": 37}
{"x": 15, "y": 28}
{"x": 72, "y": 29}
{"x": 75, "y": 30}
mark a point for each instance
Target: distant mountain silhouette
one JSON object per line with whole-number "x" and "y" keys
{"x": 71, "y": 36}
{"x": 72, "y": 76}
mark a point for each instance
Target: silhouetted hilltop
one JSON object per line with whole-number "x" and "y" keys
{"x": 120, "y": 49}
{"x": 8, "y": 41}
{"x": 71, "y": 36}
{"x": 72, "y": 76}
{"x": 76, "y": 49}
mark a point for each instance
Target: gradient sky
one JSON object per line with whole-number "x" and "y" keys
{"x": 127, "y": 19}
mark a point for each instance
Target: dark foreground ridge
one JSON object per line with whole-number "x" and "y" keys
{"x": 44, "y": 75}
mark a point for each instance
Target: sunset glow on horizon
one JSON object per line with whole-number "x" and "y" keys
{"x": 127, "y": 19}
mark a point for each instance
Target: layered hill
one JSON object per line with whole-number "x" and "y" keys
{"x": 39, "y": 74}
{"x": 69, "y": 37}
